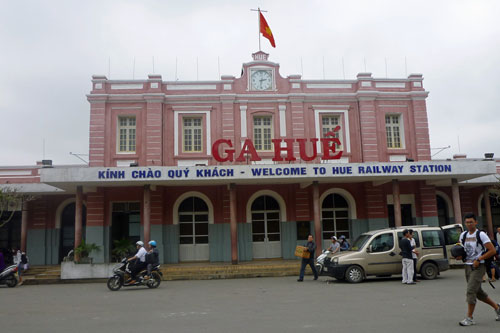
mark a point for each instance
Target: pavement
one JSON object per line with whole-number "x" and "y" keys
{"x": 277, "y": 304}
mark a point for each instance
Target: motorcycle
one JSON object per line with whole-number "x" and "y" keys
{"x": 122, "y": 273}
{"x": 8, "y": 276}
{"x": 320, "y": 261}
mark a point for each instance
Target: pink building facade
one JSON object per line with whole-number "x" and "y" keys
{"x": 246, "y": 167}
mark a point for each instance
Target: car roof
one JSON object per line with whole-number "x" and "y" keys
{"x": 414, "y": 227}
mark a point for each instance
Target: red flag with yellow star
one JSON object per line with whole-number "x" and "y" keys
{"x": 265, "y": 30}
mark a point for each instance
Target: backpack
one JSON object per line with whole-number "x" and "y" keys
{"x": 487, "y": 262}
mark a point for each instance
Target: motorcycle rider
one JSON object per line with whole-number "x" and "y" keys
{"x": 140, "y": 261}
{"x": 344, "y": 244}
{"x": 152, "y": 258}
{"x": 334, "y": 246}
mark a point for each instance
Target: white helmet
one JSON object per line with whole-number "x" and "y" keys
{"x": 140, "y": 243}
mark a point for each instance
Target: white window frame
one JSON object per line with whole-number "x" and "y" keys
{"x": 401, "y": 130}
{"x": 119, "y": 127}
{"x": 345, "y": 145}
{"x": 192, "y": 127}
{"x": 262, "y": 134}
{"x": 177, "y": 128}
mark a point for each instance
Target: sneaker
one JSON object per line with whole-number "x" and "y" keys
{"x": 412, "y": 282}
{"x": 467, "y": 322}
{"x": 315, "y": 278}
{"x": 300, "y": 280}
{"x": 497, "y": 312}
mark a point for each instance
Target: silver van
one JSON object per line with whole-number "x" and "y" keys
{"x": 377, "y": 253}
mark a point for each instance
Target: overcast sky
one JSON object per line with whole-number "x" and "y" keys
{"x": 50, "y": 49}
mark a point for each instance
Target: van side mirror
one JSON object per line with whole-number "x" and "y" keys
{"x": 369, "y": 249}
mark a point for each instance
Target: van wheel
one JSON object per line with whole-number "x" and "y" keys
{"x": 429, "y": 271}
{"x": 354, "y": 274}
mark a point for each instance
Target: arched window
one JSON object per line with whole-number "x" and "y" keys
{"x": 265, "y": 219}
{"x": 193, "y": 221}
{"x": 335, "y": 216}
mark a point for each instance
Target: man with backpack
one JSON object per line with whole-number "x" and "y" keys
{"x": 478, "y": 249}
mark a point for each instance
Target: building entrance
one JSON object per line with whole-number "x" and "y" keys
{"x": 406, "y": 217}
{"x": 266, "y": 233}
{"x": 125, "y": 227}
{"x": 193, "y": 230}
{"x": 67, "y": 240}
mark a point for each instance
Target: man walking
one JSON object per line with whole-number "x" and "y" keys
{"x": 406, "y": 251}
{"x": 311, "y": 248}
{"x": 414, "y": 255}
{"x": 478, "y": 247}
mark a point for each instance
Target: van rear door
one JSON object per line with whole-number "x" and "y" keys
{"x": 451, "y": 237}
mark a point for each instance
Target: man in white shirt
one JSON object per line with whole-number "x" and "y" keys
{"x": 334, "y": 246}
{"x": 140, "y": 258}
{"x": 497, "y": 235}
{"x": 414, "y": 254}
{"x": 475, "y": 267}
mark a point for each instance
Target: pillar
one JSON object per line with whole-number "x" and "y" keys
{"x": 397, "y": 203}
{"x": 78, "y": 216}
{"x": 233, "y": 224}
{"x": 147, "y": 213}
{"x": 24, "y": 225}
{"x": 487, "y": 208}
{"x": 455, "y": 191}
{"x": 317, "y": 220}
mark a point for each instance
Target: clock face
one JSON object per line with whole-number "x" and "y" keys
{"x": 262, "y": 80}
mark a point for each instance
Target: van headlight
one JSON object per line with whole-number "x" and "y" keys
{"x": 335, "y": 260}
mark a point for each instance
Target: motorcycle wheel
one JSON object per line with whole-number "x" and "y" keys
{"x": 114, "y": 283}
{"x": 154, "y": 281}
{"x": 11, "y": 281}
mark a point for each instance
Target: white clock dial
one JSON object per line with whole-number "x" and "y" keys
{"x": 262, "y": 80}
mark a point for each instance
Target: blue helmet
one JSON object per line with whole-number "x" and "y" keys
{"x": 152, "y": 243}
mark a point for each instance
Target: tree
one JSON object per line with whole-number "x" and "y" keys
{"x": 10, "y": 201}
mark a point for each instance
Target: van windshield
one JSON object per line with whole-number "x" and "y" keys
{"x": 359, "y": 242}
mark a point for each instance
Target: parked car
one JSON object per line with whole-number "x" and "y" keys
{"x": 377, "y": 253}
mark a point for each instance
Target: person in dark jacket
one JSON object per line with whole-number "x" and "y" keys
{"x": 152, "y": 258}
{"x": 406, "y": 252}
{"x": 311, "y": 248}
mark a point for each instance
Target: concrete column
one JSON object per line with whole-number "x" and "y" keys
{"x": 397, "y": 203}
{"x": 78, "y": 216}
{"x": 457, "y": 210}
{"x": 147, "y": 213}
{"x": 487, "y": 208}
{"x": 317, "y": 219}
{"x": 24, "y": 226}
{"x": 233, "y": 224}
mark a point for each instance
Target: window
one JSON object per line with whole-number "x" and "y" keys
{"x": 192, "y": 135}
{"x": 415, "y": 237}
{"x": 328, "y": 124}
{"x": 265, "y": 219}
{"x": 335, "y": 216}
{"x": 126, "y": 134}
{"x": 393, "y": 130}
{"x": 382, "y": 243}
{"x": 452, "y": 235}
{"x": 303, "y": 230}
{"x": 193, "y": 221}
{"x": 262, "y": 133}
{"x": 432, "y": 238}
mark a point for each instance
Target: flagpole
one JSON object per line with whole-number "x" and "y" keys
{"x": 258, "y": 17}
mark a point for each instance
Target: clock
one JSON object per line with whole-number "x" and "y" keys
{"x": 261, "y": 80}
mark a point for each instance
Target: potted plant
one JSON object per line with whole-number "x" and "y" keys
{"x": 122, "y": 248}
{"x": 83, "y": 251}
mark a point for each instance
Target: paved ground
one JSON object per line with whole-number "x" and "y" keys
{"x": 246, "y": 305}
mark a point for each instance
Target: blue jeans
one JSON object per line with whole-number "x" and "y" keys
{"x": 306, "y": 262}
